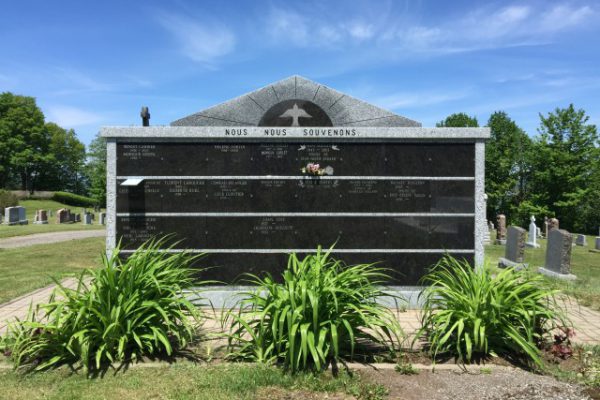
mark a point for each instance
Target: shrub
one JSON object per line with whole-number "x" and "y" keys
{"x": 468, "y": 312}
{"x": 7, "y": 199}
{"x": 314, "y": 317}
{"x": 130, "y": 309}
{"x": 74, "y": 200}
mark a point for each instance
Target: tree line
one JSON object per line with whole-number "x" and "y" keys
{"x": 555, "y": 173}
{"x": 40, "y": 155}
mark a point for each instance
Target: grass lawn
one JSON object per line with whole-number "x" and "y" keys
{"x": 28, "y": 268}
{"x": 584, "y": 264}
{"x": 181, "y": 381}
{"x": 31, "y": 206}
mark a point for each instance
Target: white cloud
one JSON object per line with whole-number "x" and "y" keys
{"x": 288, "y": 27}
{"x": 71, "y": 117}
{"x": 200, "y": 40}
{"x": 418, "y": 99}
{"x": 484, "y": 27}
{"x": 360, "y": 30}
{"x": 563, "y": 17}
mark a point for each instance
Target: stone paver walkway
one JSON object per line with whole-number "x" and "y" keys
{"x": 49, "y": 237}
{"x": 18, "y": 308}
{"x": 586, "y": 321}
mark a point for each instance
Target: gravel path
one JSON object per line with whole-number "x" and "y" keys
{"x": 497, "y": 384}
{"x": 50, "y": 237}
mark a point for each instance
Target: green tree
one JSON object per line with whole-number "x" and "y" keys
{"x": 23, "y": 141}
{"x": 65, "y": 161}
{"x": 506, "y": 171}
{"x": 565, "y": 173}
{"x": 458, "y": 120}
{"x": 96, "y": 169}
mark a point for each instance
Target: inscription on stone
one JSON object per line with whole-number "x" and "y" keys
{"x": 220, "y": 197}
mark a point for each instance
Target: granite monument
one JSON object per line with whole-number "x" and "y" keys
{"x": 292, "y": 166}
{"x": 558, "y": 255}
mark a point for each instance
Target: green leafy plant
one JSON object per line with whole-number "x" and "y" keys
{"x": 469, "y": 313}
{"x": 123, "y": 311}
{"x": 7, "y": 199}
{"x": 406, "y": 368}
{"x": 314, "y": 317}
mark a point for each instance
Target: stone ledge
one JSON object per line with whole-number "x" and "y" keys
{"x": 552, "y": 274}
{"x": 506, "y": 263}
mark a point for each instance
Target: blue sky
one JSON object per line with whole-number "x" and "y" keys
{"x": 96, "y": 63}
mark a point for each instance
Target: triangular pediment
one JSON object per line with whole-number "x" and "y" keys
{"x": 295, "y": 101}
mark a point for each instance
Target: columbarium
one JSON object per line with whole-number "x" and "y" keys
{"x": 292, "y": 166}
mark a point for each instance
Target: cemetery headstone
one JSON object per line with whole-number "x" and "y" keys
{"x": 546, "y": 223}
{"x": 22, "y": 215}
{"x": 486, "y": 234}
{"x": 11, "y": 216}
{"x": 303, "y": 166}
{"x": 558, "y": 255}
{"x": 87, "y": 218}
{"x": 532, "y": 242}
{"x": 63, "y": 216}
{"x": 581, "y": 240}
{"x": 514, "y": 253}
{"x": 501, "y": 229}
{"x": 597, "y": 243}
{"x": 539, "y": 232}
{"x": 41, "y": 217}
{"x": 77, "y": 217}
{"x": 102, "y": 218}
{"x": 490, "y": 225}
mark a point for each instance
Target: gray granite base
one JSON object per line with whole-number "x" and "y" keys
{"x": 506, "y": 263}
{"x": 552, "y": 274}
{"x": 534, "y": 245}
{"x": 40, "y": 222}
{"x": 221, "y": 297}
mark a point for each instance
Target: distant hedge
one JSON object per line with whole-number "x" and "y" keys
{"x": 73, "y": 199}
{"x": 7, "y": 199}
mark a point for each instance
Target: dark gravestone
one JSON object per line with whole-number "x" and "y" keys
{"x": 558, "y": 255}
{"x": 501, "y": 229}
{"x": 514, "y": 254}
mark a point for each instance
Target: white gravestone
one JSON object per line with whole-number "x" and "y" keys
{"x": 532, "y": 242}
{"x": 581, "y": 240}
{"x": 11, "y": 216}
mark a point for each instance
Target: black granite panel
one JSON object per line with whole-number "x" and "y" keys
{"x": 306, "y": 195}
{"x": 344, "y": 159}
{"x": 303, "y": 232}
{"x": 405, "y": 269}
